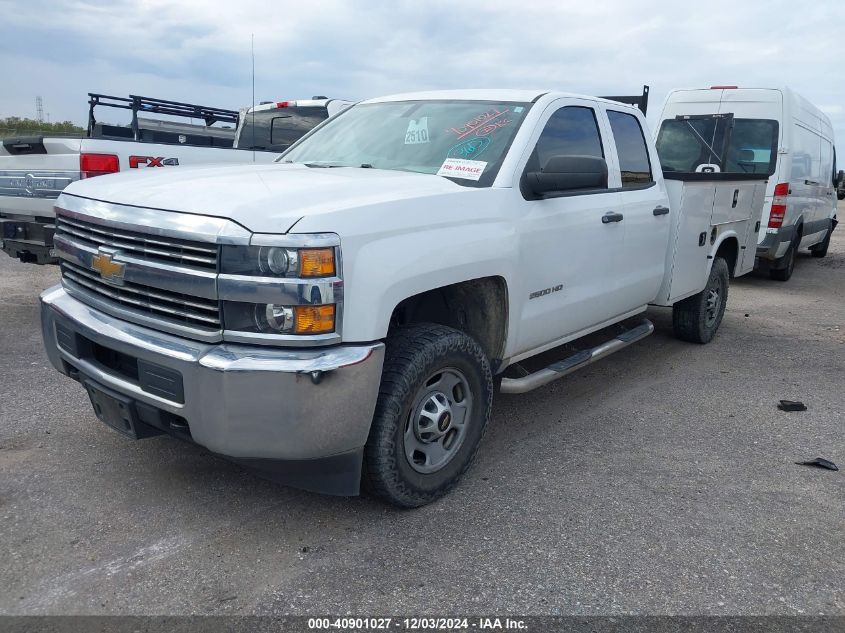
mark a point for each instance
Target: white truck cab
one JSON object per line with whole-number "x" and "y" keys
{"x": 771, "y": 131}
{"x": 276, "y": 125}
{"x": 339, "y": 316}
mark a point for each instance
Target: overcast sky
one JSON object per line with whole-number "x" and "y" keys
{"x": 199, "y": 51}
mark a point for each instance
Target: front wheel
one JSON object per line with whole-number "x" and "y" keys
{"x": 696, "y": 318}
{"x": 434, "y": 402}
{"x": 820, "y": 249}
{"x": 785, "y": 271}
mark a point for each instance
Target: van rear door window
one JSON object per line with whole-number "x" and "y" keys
{"x": 718, "y": 143}
{"x": 752, "y": 148}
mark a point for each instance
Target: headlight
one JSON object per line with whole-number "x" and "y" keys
{"x": 270, "y": 318}
{"x": 282, "y": 289}
{"x": 278, "y": 261}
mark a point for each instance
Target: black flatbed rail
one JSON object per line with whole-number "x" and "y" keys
{"x": 151, "y": 105}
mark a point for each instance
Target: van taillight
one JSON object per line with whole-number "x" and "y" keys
{"x": 778, "y": 205}
{"x": 91, "y": 165}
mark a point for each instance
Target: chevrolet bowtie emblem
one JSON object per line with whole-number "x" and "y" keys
{"x": 109, "y": 270}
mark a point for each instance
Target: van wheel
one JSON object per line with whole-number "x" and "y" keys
{"x": 696, "y": 318}
{"x": 820, "y": 249}
{"x": 434, "y": 402}
{"x": 784, "y": 272}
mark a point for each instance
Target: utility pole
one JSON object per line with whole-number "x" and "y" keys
{"x": 39, "y": 110}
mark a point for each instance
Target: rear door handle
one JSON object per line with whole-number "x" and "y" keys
{"x": 611, "y": 216}
{"x": 660, "y": 210}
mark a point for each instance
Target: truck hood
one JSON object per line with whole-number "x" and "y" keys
{"x": 262, "y": 198}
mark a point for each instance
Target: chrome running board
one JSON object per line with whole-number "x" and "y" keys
{"x": 576, "y": 361}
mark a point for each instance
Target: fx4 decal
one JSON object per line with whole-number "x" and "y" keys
{"x": 151, "y": 161}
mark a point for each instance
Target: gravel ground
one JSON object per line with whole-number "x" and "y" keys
{"x": 658, "y": 481}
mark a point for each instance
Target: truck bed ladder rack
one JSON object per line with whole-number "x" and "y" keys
{"x": 641, "y": 101}
{"x": 151, "y": 105}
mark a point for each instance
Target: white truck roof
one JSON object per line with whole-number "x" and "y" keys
{"x": 503, "y": 94}
{"x": 295, "y": 103}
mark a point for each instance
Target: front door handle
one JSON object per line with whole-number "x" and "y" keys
{"x": 611, "y": 216}
{"x": 660, "y": 210}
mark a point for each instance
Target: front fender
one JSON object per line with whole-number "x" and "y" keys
{"x": 380, "y": 274}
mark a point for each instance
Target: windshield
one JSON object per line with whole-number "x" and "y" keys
{"x": 465, "y": 141}
{"x": 278, "y": 128}
{"x": 714, "y": 143}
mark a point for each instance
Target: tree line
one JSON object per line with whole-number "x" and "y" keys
{"x": 17, "y": 126}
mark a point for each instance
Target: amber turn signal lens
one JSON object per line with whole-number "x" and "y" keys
{"x": 314, "y": 319}
{"x": 316, "y": 262}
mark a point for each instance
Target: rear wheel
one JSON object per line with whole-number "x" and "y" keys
{"x": 820, "y": 249}
{"x": 433, "y": 406}
{"x": 785, "y": 271}
{"x": 696, "y": 318}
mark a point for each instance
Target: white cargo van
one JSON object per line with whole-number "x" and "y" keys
{"x": 770, "y": 131}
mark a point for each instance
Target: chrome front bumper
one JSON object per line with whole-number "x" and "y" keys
{"x": 259, "y": 405}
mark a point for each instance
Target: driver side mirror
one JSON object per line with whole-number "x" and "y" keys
{"x": 563, "y": 174}
{"x": 840, "y": 185}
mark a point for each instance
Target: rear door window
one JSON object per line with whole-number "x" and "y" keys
{"x": 634, "y": 162}
{"x": 277, "y": 129}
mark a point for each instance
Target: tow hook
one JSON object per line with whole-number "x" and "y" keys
{"x": 317, "y": 377}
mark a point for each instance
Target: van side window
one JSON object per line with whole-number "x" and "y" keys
{"x": 634, "y": 162}
{"x": 806, "y": 154}
{"x": 827, "y": 163}
{"x": 571, "y": 131}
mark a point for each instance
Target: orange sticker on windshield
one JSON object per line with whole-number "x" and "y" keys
{"x": 483, "y": 124}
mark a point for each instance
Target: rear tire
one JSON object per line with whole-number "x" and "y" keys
{"x": 784, "y": 273}
{"x": 434, "y": 402}
{"x": 820, "y": 249}
{"x": 696, "y": 318}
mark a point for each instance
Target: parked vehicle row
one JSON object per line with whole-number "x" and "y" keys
{"x": 775, "y": 132}
{"x": 35, "y": 170}
{"x": 340, "y": 316}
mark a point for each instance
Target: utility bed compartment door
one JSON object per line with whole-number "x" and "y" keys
{"x": 738, "y": 206}
{"x": 686, "y": 257}
{"x": 705, "y": 210}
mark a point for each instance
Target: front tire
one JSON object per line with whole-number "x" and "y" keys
{"x": 434, "y": 402}
{"x": 820, "y": 249}
{"x": 785, "y": 272}
{"x": 696, "y": 318}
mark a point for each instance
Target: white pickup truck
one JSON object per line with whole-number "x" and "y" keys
{"x": 343, "y": 314}
{"x": 35, "y": 170}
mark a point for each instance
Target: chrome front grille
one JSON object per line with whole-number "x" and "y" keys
{"x": 155, "y": 248}
{"x": 196, "y": 312}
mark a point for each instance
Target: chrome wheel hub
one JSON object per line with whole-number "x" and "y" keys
{"x": 436, "y": 425}
{"x": 712, "y": 305}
